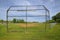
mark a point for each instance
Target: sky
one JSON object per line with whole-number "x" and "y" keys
{"x": 52, "y": 5}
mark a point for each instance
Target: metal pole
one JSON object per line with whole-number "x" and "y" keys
{"x": 45, "y": 20}
{"x": 49, "y": 19}
{"x": 7, "y": 20}
{"x": 26, "y": 18}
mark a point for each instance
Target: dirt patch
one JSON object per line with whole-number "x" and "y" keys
{"x": 28, "y": 24}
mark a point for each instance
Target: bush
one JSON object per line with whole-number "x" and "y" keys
{"x": 20, "y": 21}
{"x": 58, "y": 20}
{"x": 1, "y": 21}
{"x": 14, "y": 20}
{"x": 51, "y": 21}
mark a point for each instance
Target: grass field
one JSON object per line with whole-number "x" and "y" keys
{"x": 31, "y": 32}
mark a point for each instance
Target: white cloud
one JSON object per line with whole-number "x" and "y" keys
{"x": 51, "y": 0}
{"x": 26, "y": 3}
{"x": 23, "y": 2}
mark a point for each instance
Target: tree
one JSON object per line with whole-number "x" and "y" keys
{"x": 51, "y": 21}
{"x": 56, "y": 18}
{"x": 14, "y": 20}
{"x": 20, "y": 21}
{"x": 1, "y": 21}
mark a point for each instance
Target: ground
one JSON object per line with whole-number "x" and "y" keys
{"x": 37, "y": 32}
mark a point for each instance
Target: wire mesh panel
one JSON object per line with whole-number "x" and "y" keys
{"x": 28, "y": 18}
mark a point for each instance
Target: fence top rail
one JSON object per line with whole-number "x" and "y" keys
{"x": 28, "y": 6}
{"x": 25, "y": 5}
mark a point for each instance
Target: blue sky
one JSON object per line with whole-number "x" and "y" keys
{"x": 52, "y": 5}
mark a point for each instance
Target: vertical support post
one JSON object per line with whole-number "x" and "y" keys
{"x": 26, "y": 18}
{"x": 45, "y": 20}
{"x": 49, "y": 18}
{"x": 7, "y": 19}
{"x": 48, "y": 13}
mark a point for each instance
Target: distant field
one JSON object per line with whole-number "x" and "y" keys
{"x": 24, "y": 24}
{"x": 28, "y": 26}
{"x": 32, "y": 32}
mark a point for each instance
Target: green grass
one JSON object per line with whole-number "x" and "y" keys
{"x": 31, "y": 33}
{"x": 54, "y": 33}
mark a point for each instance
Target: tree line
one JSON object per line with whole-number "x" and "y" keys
{"x": 13, "y": 21}
{"x": 55, "y": 18}
{"x": 18, "y": 21}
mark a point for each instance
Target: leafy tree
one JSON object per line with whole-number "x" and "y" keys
{"x": 1, "y": 21}
{"x": 51, "y": 21}
{"x": 14, "y": 20}
{"x": 56, "y": 18}
{"x": 20, "y": 21}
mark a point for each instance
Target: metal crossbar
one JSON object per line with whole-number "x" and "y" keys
{"x": 27, "y": 10}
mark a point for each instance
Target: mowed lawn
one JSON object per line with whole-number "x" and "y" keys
{"x": 19, "y": 31}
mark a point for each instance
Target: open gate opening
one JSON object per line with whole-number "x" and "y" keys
{"x": 27, "y": 18}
